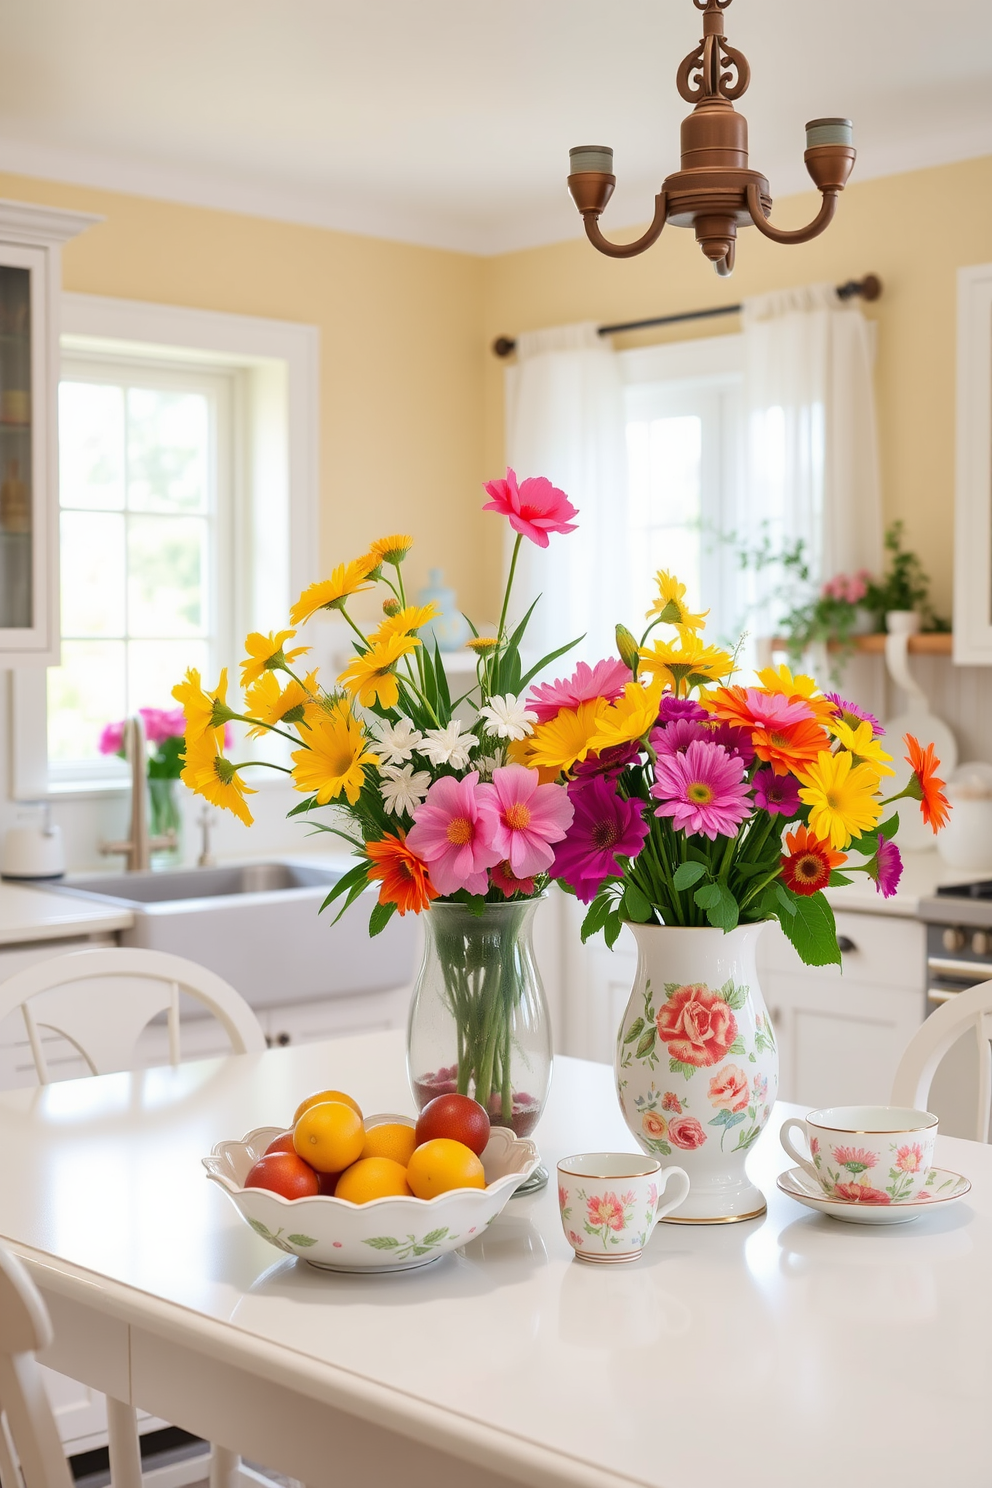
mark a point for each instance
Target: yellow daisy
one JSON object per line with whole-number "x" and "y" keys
{"x": 866, "y": 749}
{"x": 210, "y": 775}
{"x": 330, "y": 594}
{"x": 481, "y": 645}
{"x": 272, "y": 704}
{"x": 266, "y": 654}
{"x": 205, "y": 711}
{"x": 690, "y": 658}
{"x": 630, "y": 717}
{"x": 563, "y": 740}
{"x": 370, "y": 676}
{"x": 404, "y": 621}
{"x": 334, "y": 758}
{"x": 391, "y": 549}
{"x": 670, "y": 607}
{"x": 801, "y": 687}
{"x": 841, "y": 796}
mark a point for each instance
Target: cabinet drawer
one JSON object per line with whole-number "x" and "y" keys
{"x": 884, "y": 951}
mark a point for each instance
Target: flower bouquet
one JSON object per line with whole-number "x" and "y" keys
{"x": 164, "y": 730}
{"x": 424, "y": 788}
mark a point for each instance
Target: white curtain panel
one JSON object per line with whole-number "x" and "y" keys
{"x": 812, "y": 456}
{"x": 565, "y": 420}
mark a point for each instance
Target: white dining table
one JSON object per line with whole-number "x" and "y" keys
{"x": 788, "y": 1350}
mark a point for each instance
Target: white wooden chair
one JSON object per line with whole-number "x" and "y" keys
{"x": 101, "y": 1000}
{"x": 29, "y": 1437}
{"x": 972, "y": 1008}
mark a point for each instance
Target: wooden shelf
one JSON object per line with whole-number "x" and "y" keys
{"x": 937, "y": 643}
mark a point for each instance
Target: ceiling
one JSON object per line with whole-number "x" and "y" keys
{"x": 448, "y": 122}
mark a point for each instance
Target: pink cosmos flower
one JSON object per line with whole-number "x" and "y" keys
{"x": 702, "y": 790}
{"x": 529, "y": 817}
{"x": 686, "y": 1132}
{"x": 886, "y": 868}
{"x": 606, "y": 679}
{"x": 502, "y": 877}
{"x": 452, "y": 831}
{"x": 163, "y": 723}
{"x": 605, "y": 1209}
{"x": 855, "y": 1159}
{"x": 909, "y": 1159}
{"x": 776, "y": 794}
{"x": 853, "y": 714}
{"x": 671, "y": 1102}
{"x": 605, "y": 828}
{"x": 533, "y": 508}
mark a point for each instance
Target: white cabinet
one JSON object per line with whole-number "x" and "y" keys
{"x": 30, "y": 284}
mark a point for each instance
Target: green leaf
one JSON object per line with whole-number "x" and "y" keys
{"x": 721, "y": 907}
{"x": 727, "y": 1118}
{"x": 737, "y": 1047}
{"x": 635, "y": 1030}
{"x": 611, "y": 929}
{"x": 260, "y": 1229}
{"x": 380, "y": 918}
{"x": 647, "y": 1042}
{"x": 708, "y": 897}
{"x": 547, "y": 660}
{"x": 382, "y": 1242}
{"x": 435, "y": 1236}
{"x": 595, "y": 917}
{"x": 812, "y": 930}
{"x": 783, "y": 898}
{"x": 687, "y": 874}
{"x": 421, "y": 1249}
{"x": 301, "y": 1240}
{"x": 635, "y": 906}
{"x": 441, "y": 682}
{"x": 734, "y": 997}
{"x": 676, "y": 1067}
{"x": 837, "y": 880}
{"x": 302, "y": 806}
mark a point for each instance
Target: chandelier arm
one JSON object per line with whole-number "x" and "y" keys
{"x": 800, "y": 234}
{"x": 628, "y": 250}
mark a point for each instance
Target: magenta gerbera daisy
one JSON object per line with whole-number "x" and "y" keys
{"x": 453, "y": 831}
{"x": 675, "y": 737}
{"x": 530, "y": 816}
{"x": 504, "y": 879}
{"x": 776, "y": 794}
{"x": 885, "y": 868}
{"x": 702, "y": 790}
{"x": 606, "y": 828}
{"x": 607, "y": 679}
{"x": 852, "y": 714}
{"x": 609, "y": 762}
{"x": 674, "y": 707}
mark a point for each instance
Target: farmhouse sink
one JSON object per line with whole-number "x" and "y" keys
{"x": 257, "y": 925}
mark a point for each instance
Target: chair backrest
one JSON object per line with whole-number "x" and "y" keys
{"x": 969, "y": 1009}
{"x": 28, "y": 1433}
{"x": 102, "y": 999}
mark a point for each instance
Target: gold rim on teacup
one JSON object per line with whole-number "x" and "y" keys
{"x": 912, "y": 1124}
{"x": 650, "y": 1165}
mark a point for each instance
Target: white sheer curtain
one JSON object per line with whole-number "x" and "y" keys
{"x": 565, "y": 420}
{"x": 812, "y": 457}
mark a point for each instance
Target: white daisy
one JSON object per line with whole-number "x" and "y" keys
{"x": 508, "y": 718}
{"x": 448, "y": 746}
{"x": 403, "y": 789}
{"x": 397, "y": 740}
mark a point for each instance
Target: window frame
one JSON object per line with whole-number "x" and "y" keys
{"x": 275, "y": 453}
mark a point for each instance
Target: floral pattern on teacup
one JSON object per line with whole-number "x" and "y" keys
{"x": 856, "y": 1176}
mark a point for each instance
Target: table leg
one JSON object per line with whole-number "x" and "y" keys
{"x": 225, "y": 1468}
{"x": 125, "y": 1451}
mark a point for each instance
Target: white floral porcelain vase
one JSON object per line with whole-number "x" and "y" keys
{"x": 696, "y": 1063}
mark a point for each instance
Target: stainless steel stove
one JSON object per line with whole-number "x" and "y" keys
{"x": 959, "y": 938}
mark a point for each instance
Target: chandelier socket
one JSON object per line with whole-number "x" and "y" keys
{"x": 830, "y": 165}
{"x": 591, "y": 190}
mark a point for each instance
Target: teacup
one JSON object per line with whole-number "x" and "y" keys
{"x": 611, "y": 1201}
{"x": 866, "y": 1154}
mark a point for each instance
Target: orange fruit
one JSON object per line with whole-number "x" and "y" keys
{"x": 320, "y": 1096}
{"x": 391, "y": 1139}
{"x": 286, "y": 1174}
{"x": 372, "y": 1178}
{"x": 329, "y": 1136}
{"x": 443, "y": 1164}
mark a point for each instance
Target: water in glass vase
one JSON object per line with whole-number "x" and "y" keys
{"x": 479, "y": 1021}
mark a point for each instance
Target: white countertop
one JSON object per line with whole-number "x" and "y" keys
{"x": 790, "y": 1349}
{"x": 29, "y": 912}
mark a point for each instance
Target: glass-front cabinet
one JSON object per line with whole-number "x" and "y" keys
{"x": 30, "y": 285}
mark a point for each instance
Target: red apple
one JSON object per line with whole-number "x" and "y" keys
{"x": 457, "y": 1117}
{"x": 284, "y": 1173}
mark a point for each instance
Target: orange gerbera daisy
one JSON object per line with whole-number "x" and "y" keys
{"x": 925, "y": 786}
{"x": 809, "y": 862}
{"x": 405, "y": 879}
{"x": 790, "y": 748}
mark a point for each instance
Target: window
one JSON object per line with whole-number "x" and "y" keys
{"x": 146, "y": 517}
{"x": 684, "y": 445}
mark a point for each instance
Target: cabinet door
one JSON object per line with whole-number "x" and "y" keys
{"x": 28, "y": 506}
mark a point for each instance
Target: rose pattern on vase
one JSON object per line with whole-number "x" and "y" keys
{"x": 697, "y": 1064}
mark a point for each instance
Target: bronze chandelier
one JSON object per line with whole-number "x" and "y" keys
{"x": 714, "y": 192}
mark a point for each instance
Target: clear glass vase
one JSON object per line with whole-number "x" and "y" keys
{"x": 164, "y": 816}
{"x": 479, "y": 1021}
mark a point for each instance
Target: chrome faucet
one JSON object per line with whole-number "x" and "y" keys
{"x": 140, "y": 845}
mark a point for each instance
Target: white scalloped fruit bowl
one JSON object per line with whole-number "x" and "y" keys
{"x": 393, "y": 1234}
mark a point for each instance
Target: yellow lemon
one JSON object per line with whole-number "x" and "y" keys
{"x": 443, "y": 1164}
{"x": 391, "y": 1139}
{"x": 372, "y": 1178}
{"x": 329, "y": 1136}
{"x": 320, "y": 1096}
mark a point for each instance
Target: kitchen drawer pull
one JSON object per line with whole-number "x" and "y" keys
{"x": 970, "y": 971}
{"x": 846, "y": 944}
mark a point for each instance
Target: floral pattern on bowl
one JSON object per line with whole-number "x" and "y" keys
{"x": 392, "y": 1234}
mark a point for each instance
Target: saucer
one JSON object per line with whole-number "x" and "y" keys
{"x": 946, "y": 1187}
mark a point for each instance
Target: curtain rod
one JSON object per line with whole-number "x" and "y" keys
{"x": 869, "y": 288}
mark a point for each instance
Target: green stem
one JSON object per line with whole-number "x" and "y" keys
{"x": 509, "y": 585}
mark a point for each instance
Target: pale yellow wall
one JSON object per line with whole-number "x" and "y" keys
{"x": 913, "y": 230}
{"x": 401, "y": 361}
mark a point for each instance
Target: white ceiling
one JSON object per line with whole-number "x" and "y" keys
{"x": 448, "y": 122}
